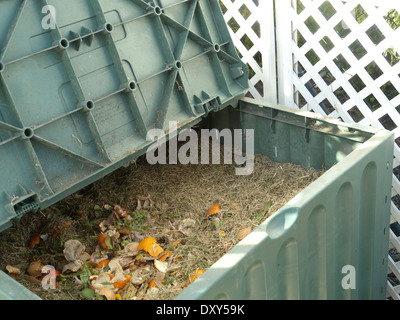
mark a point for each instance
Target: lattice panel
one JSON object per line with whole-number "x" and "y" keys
{"x": 345, "y": 59}
{"x": 244, "y": 19}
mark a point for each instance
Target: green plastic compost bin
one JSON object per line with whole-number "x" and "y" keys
{"x": 83, "y": 81}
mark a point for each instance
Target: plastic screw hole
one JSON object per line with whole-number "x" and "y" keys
{"x": 64, "y": 43}
{"x": 109, "y": 27}
{"x": 28, "y": 133}
{"x": 178, "y": 64}
{"x": 217, "y": 47}
{"x": 157, "y": 10}
{"x": 90, "y": 105}
{"x": 132, "y": 85}
{"x": 2, "y": 66}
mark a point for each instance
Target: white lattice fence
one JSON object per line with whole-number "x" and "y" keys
{"x": 251, "y": 25}
{"x": 343, "y": 62}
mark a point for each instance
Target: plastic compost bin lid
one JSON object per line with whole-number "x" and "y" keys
{"x": 83, "y": 81}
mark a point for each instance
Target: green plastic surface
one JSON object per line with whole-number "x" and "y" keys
{"x": 77, "y": 100}
{"x": 12, "y": 290}
{"x": 339, "y": 223}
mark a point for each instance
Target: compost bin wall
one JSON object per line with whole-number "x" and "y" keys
{"x": 337, "y": 225}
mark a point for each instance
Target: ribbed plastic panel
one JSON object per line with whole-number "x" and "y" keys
{"x": 82, "y": 82}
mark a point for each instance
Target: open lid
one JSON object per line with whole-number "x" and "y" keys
{"x": 82, "y": 82}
